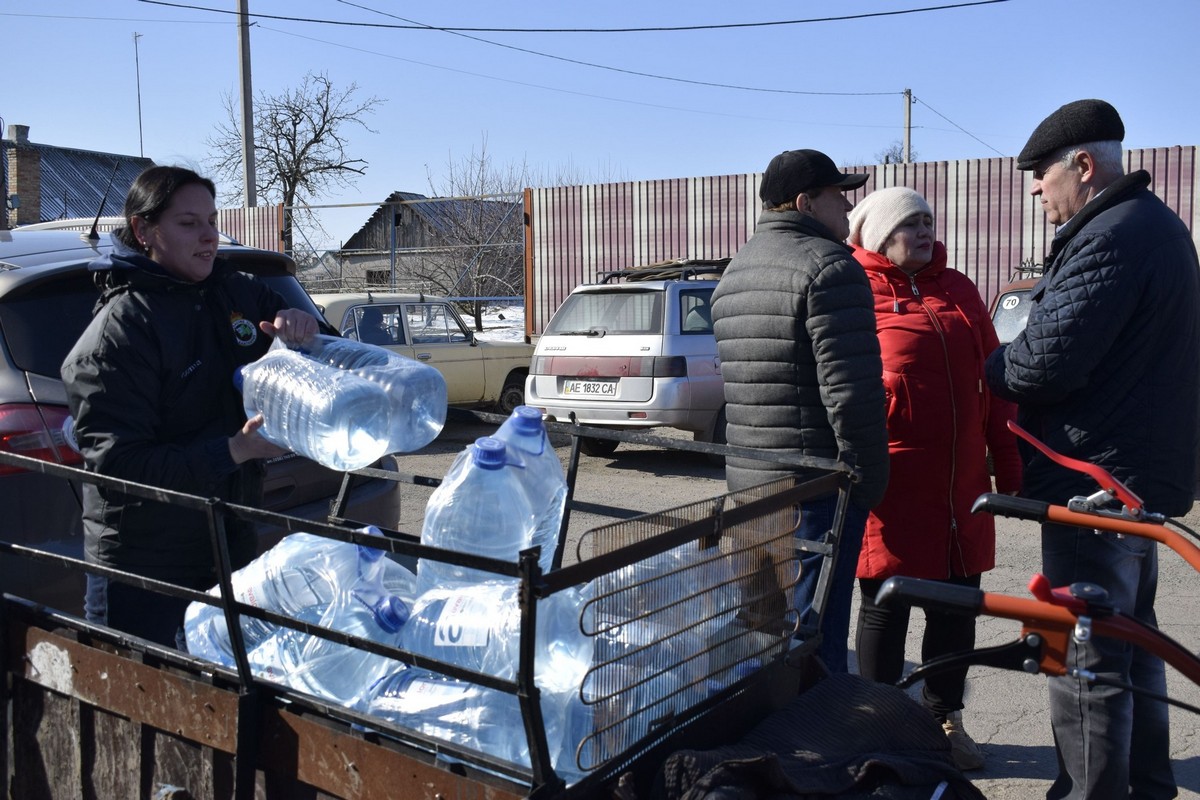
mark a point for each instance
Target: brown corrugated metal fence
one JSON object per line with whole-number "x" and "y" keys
{"x": 982, "y": 211}
{"x": 261, "y": 226}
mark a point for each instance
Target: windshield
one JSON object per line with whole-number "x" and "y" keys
{"x": 609, "y": 313}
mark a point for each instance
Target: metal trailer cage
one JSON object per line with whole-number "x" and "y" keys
{"x": 717, "y": 647}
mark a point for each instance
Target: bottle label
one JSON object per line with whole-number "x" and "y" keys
{"x": 421, "y": 696}
{"x": 463, "y": 622}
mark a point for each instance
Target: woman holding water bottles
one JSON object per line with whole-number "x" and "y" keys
{"x": 149, "y": 384}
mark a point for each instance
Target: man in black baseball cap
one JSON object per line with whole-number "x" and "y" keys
{"x": 795, "y": 171}
{"x": 1107, "y": 371}
{"x": 794, "y": 320}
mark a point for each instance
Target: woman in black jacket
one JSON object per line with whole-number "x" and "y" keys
{"x": 150, "y": 387}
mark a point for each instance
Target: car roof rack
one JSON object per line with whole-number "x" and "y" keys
{"x": 678, "y": 269}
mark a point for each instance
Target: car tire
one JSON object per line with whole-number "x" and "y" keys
{"x": 597, "y": 447}
{"x": 512, "y": 395}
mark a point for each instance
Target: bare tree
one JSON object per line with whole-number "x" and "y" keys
{"x": 894, "y": 154}
{"x": 477, "y": 247}
{"x": 300, "y": 144}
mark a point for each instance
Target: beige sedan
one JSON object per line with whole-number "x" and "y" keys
{"x": 429, "y": 329}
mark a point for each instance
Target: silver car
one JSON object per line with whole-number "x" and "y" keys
{"x": 635, "y": 350}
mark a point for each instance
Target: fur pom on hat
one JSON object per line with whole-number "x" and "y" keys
{"x": 881, "y": 212}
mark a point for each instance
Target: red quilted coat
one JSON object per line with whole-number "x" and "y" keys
{"x": 934, "y": 334}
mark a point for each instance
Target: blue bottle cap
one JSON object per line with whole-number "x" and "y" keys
{"x": 239, "y": 379}
{"x": 489, "y": 452}
{"x": 391, "y": 613}
{"x": 527, "y": 420}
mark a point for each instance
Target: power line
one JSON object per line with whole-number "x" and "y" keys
{"x": 659, "y": 77}
{"x": 491, "y": 76}
{"x": 656, "y": 29}
{"x": 76, "y": 17}
{"x": 959, "y": 127}
{"x": 618, "y": 69}
{"x": 462, "y": 31}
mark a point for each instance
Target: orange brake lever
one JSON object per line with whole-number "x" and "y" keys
{"x": 1101, "y": 476}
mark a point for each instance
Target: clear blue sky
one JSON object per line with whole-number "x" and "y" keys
{"x": 983, "y": 76}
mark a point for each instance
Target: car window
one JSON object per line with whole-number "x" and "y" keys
{"x": 626, "y": 312}
{"x": 1012, "y": 311}
{"x": 695, "y": 311}
{"x": 375, "y": 324}
{"x": 434, "y": 323}
{"x": 34, "y": 345}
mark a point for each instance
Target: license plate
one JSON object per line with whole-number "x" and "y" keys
{"x": 591, "y": 388}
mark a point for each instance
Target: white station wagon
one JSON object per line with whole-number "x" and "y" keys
{"x": 634, "y": 351}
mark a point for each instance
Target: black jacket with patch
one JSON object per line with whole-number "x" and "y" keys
{"x": 150, "y": 385}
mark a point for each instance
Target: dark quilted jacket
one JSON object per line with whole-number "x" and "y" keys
{"x": 795, "y": 326}
{"x": 1108, "y": 367}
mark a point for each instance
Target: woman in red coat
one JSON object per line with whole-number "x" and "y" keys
{"x": 934, "y": 334}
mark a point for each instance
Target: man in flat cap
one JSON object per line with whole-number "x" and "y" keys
{"x": 795, "y": 326}
{"x": 1107, "y": 371}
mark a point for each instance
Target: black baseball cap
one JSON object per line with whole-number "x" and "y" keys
{"x": 795, "y": 171}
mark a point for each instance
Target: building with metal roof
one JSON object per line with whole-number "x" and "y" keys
{"x": 43, "y": 182}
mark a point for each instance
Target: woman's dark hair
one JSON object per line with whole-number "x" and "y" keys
{"x": 150, "y": 195}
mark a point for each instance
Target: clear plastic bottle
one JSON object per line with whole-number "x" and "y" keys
{"x": 335, "y": 417}
{"x": 337, "y": 672}
{"x": 643, "y": 671}
{"x": 454, "y": 711}
{"x": 416, "y": 392}
{"x": 479, "y": 508}
{"x": 545, "y": 483}
{"x": 685, "y": 587}
{"x": 301, "y": 573}
{"x": 478, "y": 627}
{"x": 482, "y": 719}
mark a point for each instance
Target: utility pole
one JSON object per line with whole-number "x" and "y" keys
{"x": 137, "y": 71}
{"x": 908, "y": 126}
{"x": 248, "y": 171}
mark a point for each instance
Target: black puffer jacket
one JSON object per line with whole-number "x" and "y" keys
{"x": 795, "y": 325}
{"x": 150, "y": 387}
{"x": 1108, "y": 367}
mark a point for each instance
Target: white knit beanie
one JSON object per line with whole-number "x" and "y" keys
{"x": 881, "y": 212}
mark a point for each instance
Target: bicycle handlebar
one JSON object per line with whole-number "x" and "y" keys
{"x": 1054, "y": 621}
{"x": 1038, "y": 511}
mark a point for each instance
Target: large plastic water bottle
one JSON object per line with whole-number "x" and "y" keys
{"x": 545, "y": 483}
{"x": 416, "y": 392}
{"x": 645, "y": 662}
{"x": 335, "y": 417}
{"x": 337, "y": 672}
{"x": 685, "y": 587}
{"x": 478, "y": 627}
{"x": 479, "y": 508}
{"x": 454, "y": 711}
{"x": 301, "y": 576}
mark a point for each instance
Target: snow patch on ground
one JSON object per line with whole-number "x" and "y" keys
{"x": 502, "y": 324}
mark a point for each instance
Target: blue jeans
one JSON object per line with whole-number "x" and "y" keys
{"x": 1110, "y": 743}
{"x": 143, "y": 613}
{"x": 816, "y": 518}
